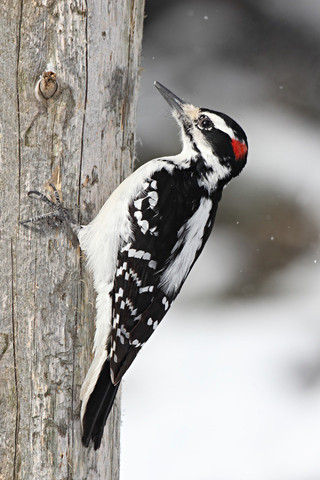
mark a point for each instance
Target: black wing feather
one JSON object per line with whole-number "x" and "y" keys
{"x": 138, "y": 302}
{"x": 98, "y": 408}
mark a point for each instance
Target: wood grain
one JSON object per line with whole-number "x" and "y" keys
{"x": 83, "y": 141}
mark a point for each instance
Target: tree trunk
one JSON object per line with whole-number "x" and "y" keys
{"x": 82, "y": 140}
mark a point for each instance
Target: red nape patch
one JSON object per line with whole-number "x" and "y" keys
{"x": 240, "y": 149}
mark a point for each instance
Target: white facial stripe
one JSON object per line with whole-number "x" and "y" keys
{"x": 219, "y": 171}
{"x": 220, "y": 124}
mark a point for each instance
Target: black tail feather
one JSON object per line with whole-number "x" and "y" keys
{"x": 98, "y": 408}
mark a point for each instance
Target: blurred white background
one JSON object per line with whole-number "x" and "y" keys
{"x": 229, "y": 386}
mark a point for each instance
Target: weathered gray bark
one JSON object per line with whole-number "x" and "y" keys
{"x": 82, "y": 140}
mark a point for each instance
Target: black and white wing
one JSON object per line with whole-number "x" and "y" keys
{"x": 171, "y": 220}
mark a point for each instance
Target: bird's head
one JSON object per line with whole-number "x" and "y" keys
{"x": 213, "y": 135}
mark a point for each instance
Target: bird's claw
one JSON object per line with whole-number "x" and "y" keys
{"x": 58, "y": 212}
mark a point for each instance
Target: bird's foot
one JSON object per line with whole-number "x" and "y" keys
{"x": 58, "y": 212}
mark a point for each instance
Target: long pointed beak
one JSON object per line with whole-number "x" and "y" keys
{"x": 175, "y": 102}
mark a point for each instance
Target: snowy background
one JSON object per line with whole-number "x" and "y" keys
{"x": 228, "y": 388}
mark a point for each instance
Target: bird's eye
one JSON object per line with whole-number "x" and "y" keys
{"x": 204, "y": 123}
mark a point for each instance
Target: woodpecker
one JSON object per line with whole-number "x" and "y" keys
{"x": 144, "y": 241}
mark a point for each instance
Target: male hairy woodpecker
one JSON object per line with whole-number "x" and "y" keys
{"x": 144, "y": 241}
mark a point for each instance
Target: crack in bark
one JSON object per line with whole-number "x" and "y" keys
{"x": 34, "y": 329}
{"x": 16, "y": 433}
{"x": 71, "y": 441}
{"x": 127, "y": 100}
{"x": 18, "y": 104}
{"x": 14, "y": 473}
{"x": 80, "y": 287}
{"x": 84, "y": 110}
